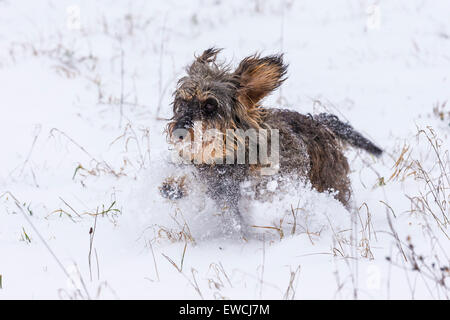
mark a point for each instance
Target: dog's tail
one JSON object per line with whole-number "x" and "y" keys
{"x": 346, "y": 132}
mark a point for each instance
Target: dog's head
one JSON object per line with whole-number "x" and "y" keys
{"x": 219, "y": 98}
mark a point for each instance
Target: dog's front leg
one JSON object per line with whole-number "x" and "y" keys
{"x": 232, "y": 219}
{"x": 226, "y": 193}
{"x": 173, "y": 188}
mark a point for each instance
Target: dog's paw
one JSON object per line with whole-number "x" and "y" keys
{"x": 173, "y": 188}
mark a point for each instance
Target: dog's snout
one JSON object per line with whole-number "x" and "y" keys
{"x": 180, "y": 131}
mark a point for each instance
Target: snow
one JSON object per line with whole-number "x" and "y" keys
{"x": 71, "y": 150}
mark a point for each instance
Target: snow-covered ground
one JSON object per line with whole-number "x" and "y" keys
{"x": 85, "y": 88}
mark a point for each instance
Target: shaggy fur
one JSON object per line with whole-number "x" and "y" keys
{"x": 310, "y": 146}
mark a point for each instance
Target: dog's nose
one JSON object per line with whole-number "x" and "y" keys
{"x": 180, "y": 133}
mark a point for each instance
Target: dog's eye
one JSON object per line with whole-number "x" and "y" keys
{"x": 210, "y": 105}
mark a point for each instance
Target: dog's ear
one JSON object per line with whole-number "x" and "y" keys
{"x": 257, "y": 77}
